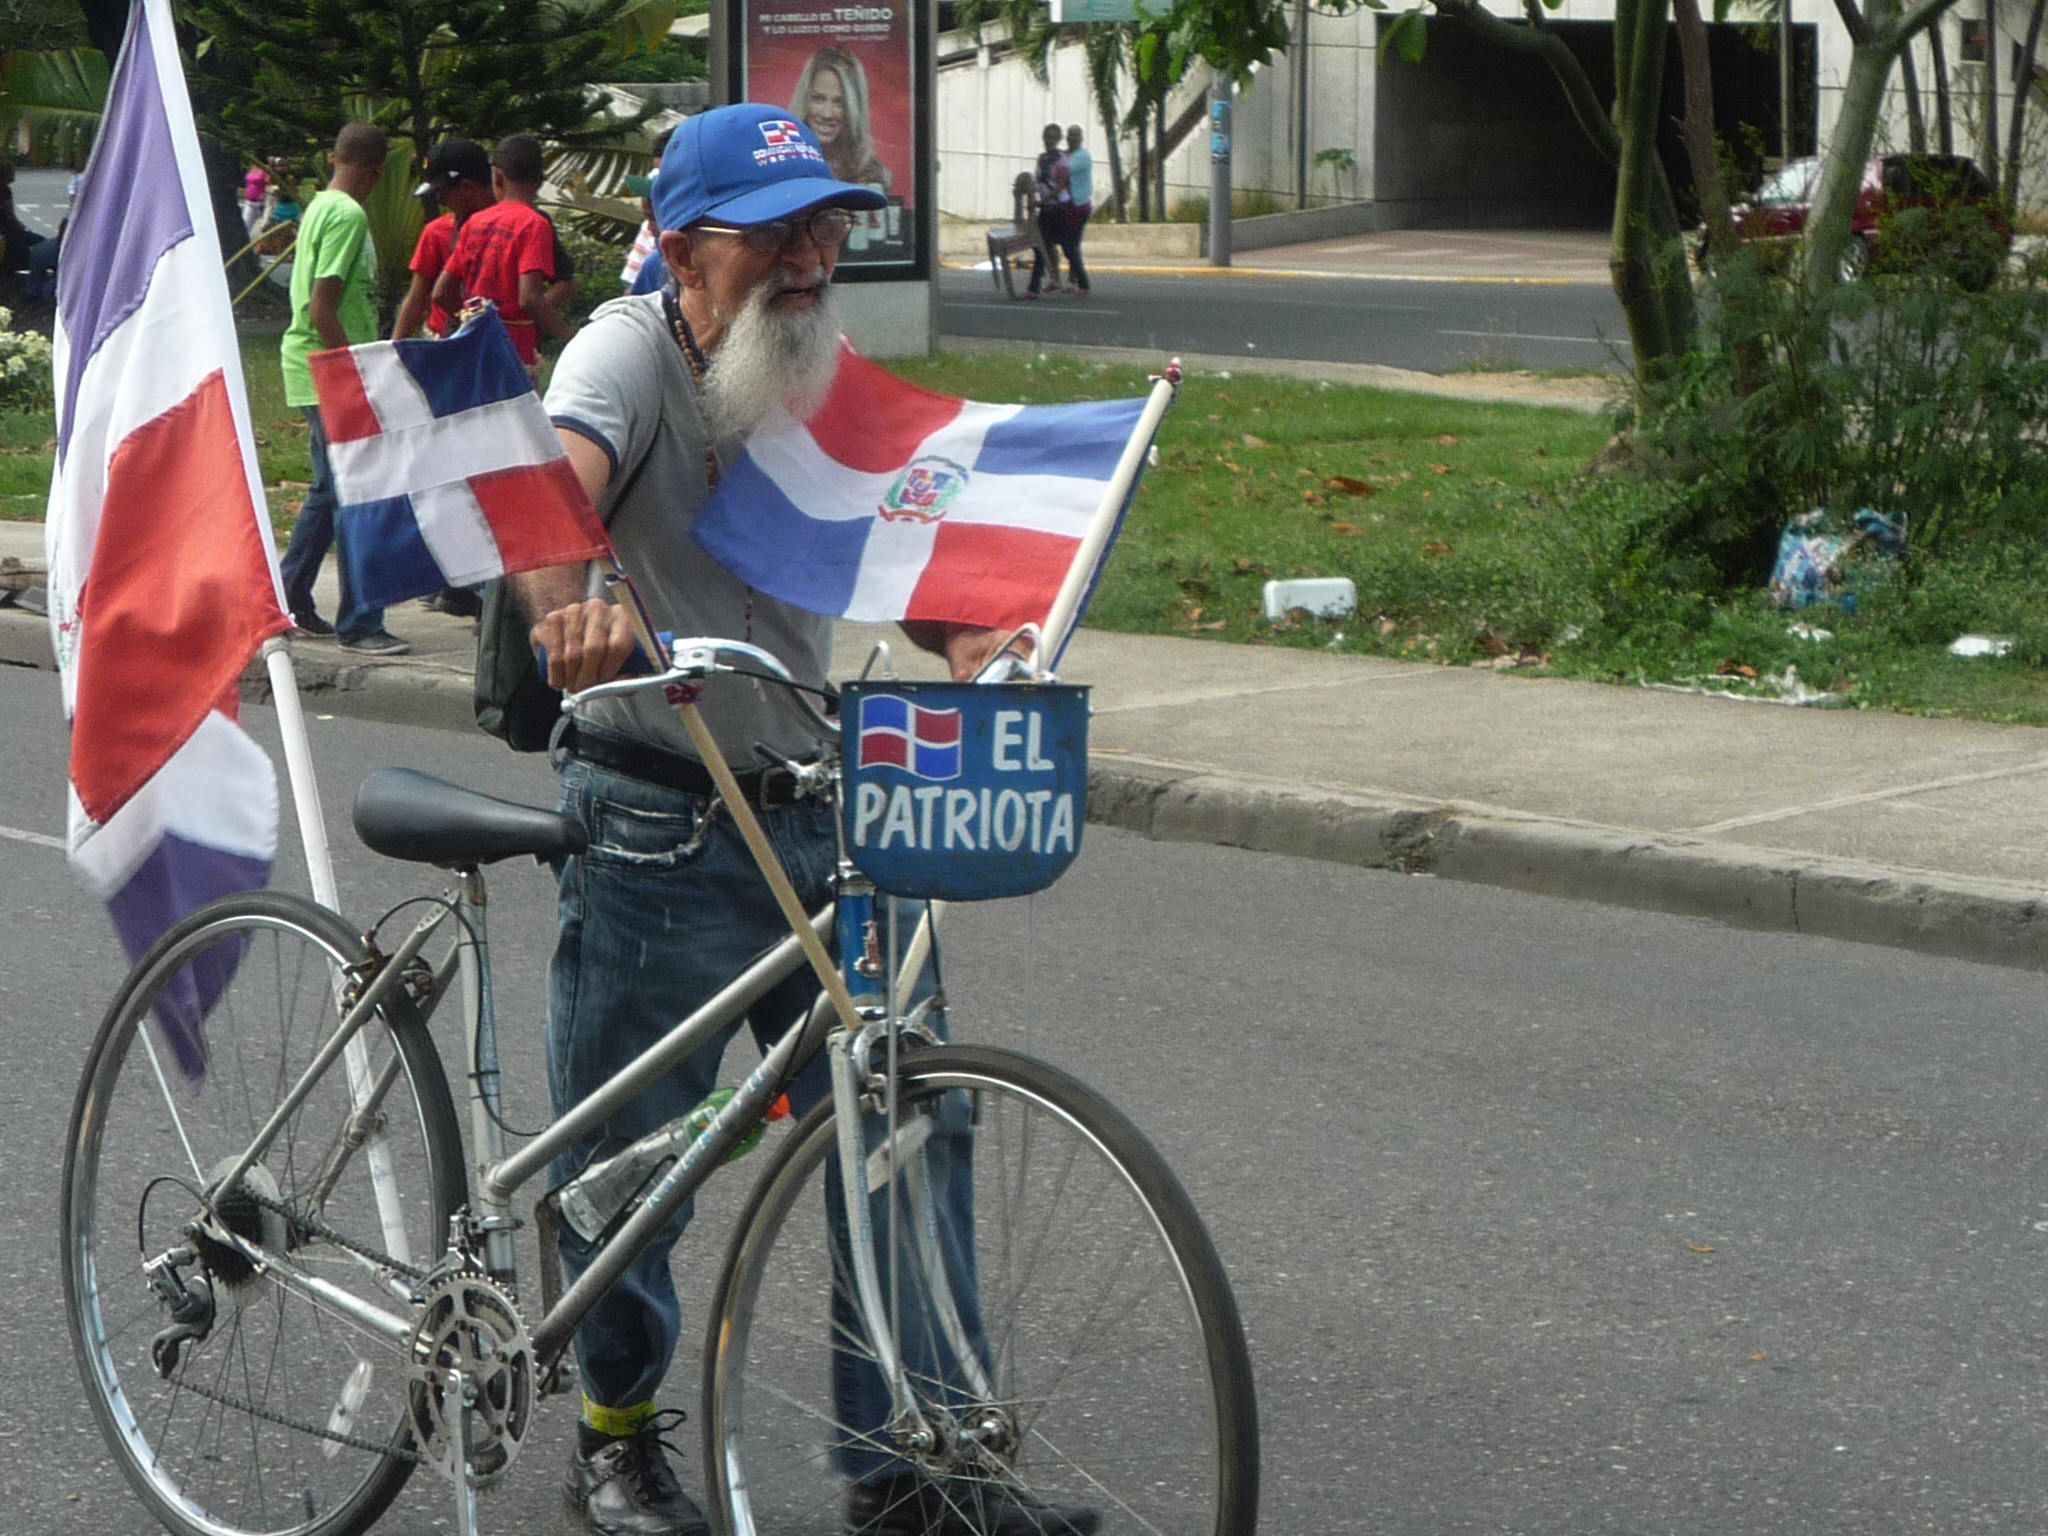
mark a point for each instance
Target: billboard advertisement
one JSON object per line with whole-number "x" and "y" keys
{"x": 849, "y": 73}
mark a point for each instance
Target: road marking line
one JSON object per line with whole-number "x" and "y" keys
{"x": 38, "y": 838}
{"x": 1076, "y": 309}
{"x": 1212, "y": 695}
{"x": 1142, "y": 270}
{"x": 1871, "y": 797}
{"x": 1591, "y": 341}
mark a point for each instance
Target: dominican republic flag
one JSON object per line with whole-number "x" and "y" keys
{"x": 895, "y": 503}
{"x": 445, "y": 465}
{"x": 163, "y": 579}
{"x": 925, "y": 742}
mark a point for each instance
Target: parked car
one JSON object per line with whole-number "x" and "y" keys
{"x": 1914, "y": 213}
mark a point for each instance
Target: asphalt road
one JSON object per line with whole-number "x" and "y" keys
{"x": 1432, "y": 327}
{"x": 1544, "y": 1217}
{"x": 39, "y": 198}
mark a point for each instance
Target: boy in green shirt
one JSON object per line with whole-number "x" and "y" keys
{"x": 334, "y": 304}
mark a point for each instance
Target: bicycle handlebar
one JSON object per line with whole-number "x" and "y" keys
{"x": 695, "y": 660}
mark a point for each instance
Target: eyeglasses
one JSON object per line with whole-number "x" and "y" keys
{"x": 828, "y": 229}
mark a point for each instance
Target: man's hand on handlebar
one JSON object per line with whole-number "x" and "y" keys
{"x": 967, "y": 647}
{"x": 585, "y": 643}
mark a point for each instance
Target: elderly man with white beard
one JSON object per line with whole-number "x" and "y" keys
{"x": 665, "y": 906}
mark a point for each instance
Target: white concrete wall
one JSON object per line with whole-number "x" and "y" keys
{"x": 990, "y": 114}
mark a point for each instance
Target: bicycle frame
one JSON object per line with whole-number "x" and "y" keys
{"x": 871, "y": 989}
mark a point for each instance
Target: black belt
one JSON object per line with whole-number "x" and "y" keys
{"x": 765, "y": 787}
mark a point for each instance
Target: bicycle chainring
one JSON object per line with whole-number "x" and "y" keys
{"x": 467, "y": 1324}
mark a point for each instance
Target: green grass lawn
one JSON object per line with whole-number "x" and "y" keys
{"x": 1464, "y": 526}
{"x": 28, "y": 443}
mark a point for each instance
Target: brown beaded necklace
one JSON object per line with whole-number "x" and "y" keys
{"x": 693, "y": 356}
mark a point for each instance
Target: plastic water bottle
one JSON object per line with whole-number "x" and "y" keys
{"x": 599, "y": 1196}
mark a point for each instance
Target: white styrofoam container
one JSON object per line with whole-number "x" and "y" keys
{"x": 1327, "y": 597}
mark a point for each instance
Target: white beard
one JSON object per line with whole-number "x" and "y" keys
{"x": 769, "y": 358}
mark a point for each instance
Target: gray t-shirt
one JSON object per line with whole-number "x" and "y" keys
{"x": 623, "y": 383}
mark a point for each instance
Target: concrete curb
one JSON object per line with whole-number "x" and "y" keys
{"x": 1990, "y": 921}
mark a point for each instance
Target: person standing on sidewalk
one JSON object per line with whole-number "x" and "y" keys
{"x": 334, "y": 304}
{"x": 1055, "y": 203}
{"x": 1081, "y": 186}
{"x": 506, "y": 253}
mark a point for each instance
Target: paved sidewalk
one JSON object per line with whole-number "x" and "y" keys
{"x": 1927, "y": 834}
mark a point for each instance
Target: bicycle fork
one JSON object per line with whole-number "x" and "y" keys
{"x": 900, "y": 1166}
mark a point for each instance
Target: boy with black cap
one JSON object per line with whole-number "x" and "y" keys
{"x": 458, "y": 179}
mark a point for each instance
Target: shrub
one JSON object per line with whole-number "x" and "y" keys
{"x": 25, "y": 381}
{"x": 1907, "y": 395}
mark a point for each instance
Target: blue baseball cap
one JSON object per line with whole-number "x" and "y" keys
{"x": 746, "y": 165}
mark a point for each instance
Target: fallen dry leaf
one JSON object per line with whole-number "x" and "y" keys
{"x": 1492, "y": 644}
{"x": 1233, "y": 466}
{"x": 1730, "y": 667}
{"x": 1758, "y": 1358}
{"x": 1440, "y": 469}
{"x": 1701, "y": 1247}
{"x": 1336, "y": 527}
{"x": 1252, "y": 442}
{"x": 1313, "y": 498}
{"x": 1436, "y": 549}
{"x": 1445, "y": 439}
{"x": 1350, "y": 486}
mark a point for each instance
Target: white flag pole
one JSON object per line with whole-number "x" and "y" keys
{"x": 1066, "y": 607}
{"x": 298, "y": 764}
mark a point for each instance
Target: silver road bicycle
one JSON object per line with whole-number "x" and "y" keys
{"x": 288, "y": 1285}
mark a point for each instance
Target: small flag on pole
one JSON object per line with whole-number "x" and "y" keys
{"x": 895, "y": 503}
{"x": 163, "y": 579}
{"x": 446, "y": 467}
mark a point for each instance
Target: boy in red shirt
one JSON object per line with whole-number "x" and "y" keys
{"x": 459, "y": 179}
{"x": 506, "y": 252}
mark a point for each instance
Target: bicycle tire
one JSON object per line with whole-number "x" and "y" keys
{"x": 143, "y": 1140}
{"x": 1154, "y": 1423}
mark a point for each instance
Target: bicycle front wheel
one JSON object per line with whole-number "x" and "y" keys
{"x": 1078, "y": 1348}
{"x": 234, "y": 1399}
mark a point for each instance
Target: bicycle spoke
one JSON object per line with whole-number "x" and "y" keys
{"x": 1104, "y": 1390}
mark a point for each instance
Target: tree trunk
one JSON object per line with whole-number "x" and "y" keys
{"x": 1841, "y": 171}
{"x": 1944, "y": 109}
{"x": 1647, "y": 260}
{"x": 1160, "y": 150}
{"x": 1116, "y": 164}
{"x": 1987, "y": 155}
{"x": 1697, "y": 128}
{"x": 1909, "y": 85}
{"x": 2022, "y": 85}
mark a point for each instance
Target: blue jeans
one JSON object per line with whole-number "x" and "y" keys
{"x": 311, "y": 535}
{"x": 658, "y": 913}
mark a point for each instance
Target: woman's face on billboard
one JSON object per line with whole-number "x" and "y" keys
{"x": 825, "y": 110}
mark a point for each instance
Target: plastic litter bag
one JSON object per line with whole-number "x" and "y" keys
{"x": 1816, "y": 564}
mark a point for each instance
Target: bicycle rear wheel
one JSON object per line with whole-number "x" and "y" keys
{"x": 275, "y": 1413}
{"x": 1114, "y": 1376}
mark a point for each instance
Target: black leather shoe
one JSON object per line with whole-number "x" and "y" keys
{"x": 626, "y": 1488}
{"x": 911, "y": 1504}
